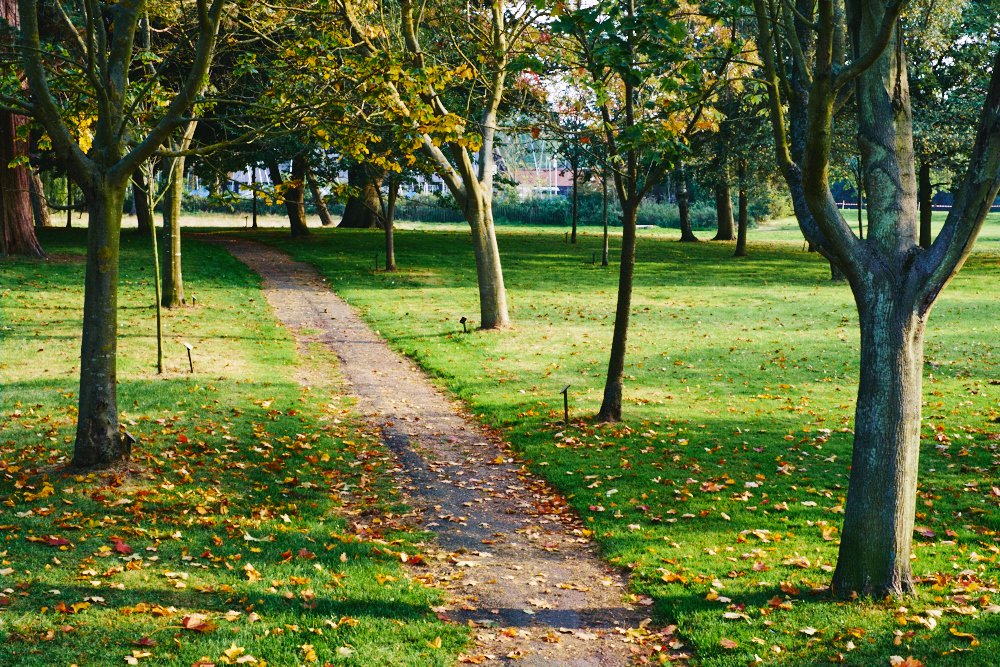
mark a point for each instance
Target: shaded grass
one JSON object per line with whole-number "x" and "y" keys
{"x": 265, "y": 507}
{"x": 723, "y": 489}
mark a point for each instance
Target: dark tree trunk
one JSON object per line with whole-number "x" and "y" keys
{"x": 390, "y": 218}
{"x": 604, "y": 217}
{"x": 173, "y": 277}
{"x": 925, "y": 196}
{"x": 318, "y": 201}
{"x": 724, "y": 213}
{"x": 363, "y": 210}
{"x": 576, "y": 200}
{"x": 743, "y": 218}
{"x": 17, "y": 220}
{"x": 611, "y": 405}
{"x": 253, "y": 186}
{"x": 879, "y": 514}
{"x": 683, "y": 208}
{"x": 39, "y": 204}
{"x": 143, "y": 202}
{"x": 293, "y": 194}
{"x": 98, "y": 442}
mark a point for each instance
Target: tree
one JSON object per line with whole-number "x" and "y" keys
{"x": 363, "y": 209}
{"x": 895, "y": 282}
{"x": 491, "y": 32}
{"x": 95, "y": 48}
{"x": 652, "y": 97}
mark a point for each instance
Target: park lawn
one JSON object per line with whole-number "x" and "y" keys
{"x": 260, "y": 518}
{"x": 723, "y": 489}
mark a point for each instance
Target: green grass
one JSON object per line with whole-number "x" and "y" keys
{"x": 723, "y": 489}
{"x": 235, "y": 466}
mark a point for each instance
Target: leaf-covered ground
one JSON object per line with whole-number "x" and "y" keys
{"x": 258, "y": 523}
{"x": 724, "y": 488}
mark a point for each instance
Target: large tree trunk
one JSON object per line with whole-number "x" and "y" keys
{"x": 293, "y": 194}
{"x": 39, "y": 204}
{"x": 743, "y": 217}
{"x": 363, "y": 210}
{"x": 683, "y": 208}
{"x": 17, "y": 221}
{"x": 143, "y": 202}
{"x": 98, "y": 442}
{"x": 489, "y": 273}
{"x": 925, "y": 196}
{"x": 317, "y": 196}
{"x": 173, "y": 277}
{"x": 611, "y": 405}
{"x": 724, "y": 213}
{"x": 878, "y": 518}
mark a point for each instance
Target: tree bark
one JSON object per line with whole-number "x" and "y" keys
{"x": 576, "y": 200}
{"x": 683, "y": 208}
{"x": 143, "y": 202}
{"x": 925, "y": 195}
{"x": 611, "y": 405}
{"x": 390, "y": 219}
{"x": 293, "y": 194}
{"x": 17, "y": 220}
{"x": 98, "y": 442}
{"x": 604, "y": 217}
{"x": 743, "y": 217}
{"x": 489, "y": 272}
{"x": 875, "y": 545}
{"x": 724, "y": 213}
{"x": 39, "y": 204}
{"x": 363, "y": 210}
{"x": 317, "y": 196}
{"x": 172, "y": 291}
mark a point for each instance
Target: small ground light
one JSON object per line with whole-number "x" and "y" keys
{"x": 190, "y": 360}
{"x": 565, "y": 393}
{"x": 464, "y": 319}
{"x": 129, "y": 440}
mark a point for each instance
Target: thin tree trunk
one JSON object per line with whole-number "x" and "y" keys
{"x": 173, "y": 277}
{"x": 317, "y": 196}
{"x": 604, "y": 216}
{"x": 925, "y": 196}
{"x": 611, "y": 405}
{"x": 98, "y": 442}
{"x": 724, "y": 213}
{"x": 39, "y": 204}
{"x": 363, "y": 209}
{"x": 69, "y": 202}
{"x": 683, "y": 208}
{"x": 576, "y": 201}
{"x": 143, "y": 202}
{"x": 17, "y": 221}
{"x": 879, "y": 515}
{"x": 743, "y": 217}
{"x": 253, "y": 186}
{"x": 390, "y": 218}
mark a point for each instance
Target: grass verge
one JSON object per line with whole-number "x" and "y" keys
{"x": 258, "y": 523}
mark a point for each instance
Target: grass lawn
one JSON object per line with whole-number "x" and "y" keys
{"x": 724, "y": 489}
{"x": 260, "y": 523}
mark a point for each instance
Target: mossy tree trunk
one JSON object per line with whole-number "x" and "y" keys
{"x": 743, "y": 212}
{"x": 172, "y": 290}
{"x": 317, "y": 196}
{"x": 17, "y": 219}
{"x": 725, "y": 225}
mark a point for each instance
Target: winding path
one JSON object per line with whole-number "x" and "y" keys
{"x": 512, "y": 559}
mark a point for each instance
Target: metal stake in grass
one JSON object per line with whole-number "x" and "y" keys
{"x": 464, "y": 319}
{"x": 190, "y": 360}
{"x": 565, "y": 393}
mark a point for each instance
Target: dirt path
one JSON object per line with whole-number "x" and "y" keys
{"x": 511, "y": 557}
